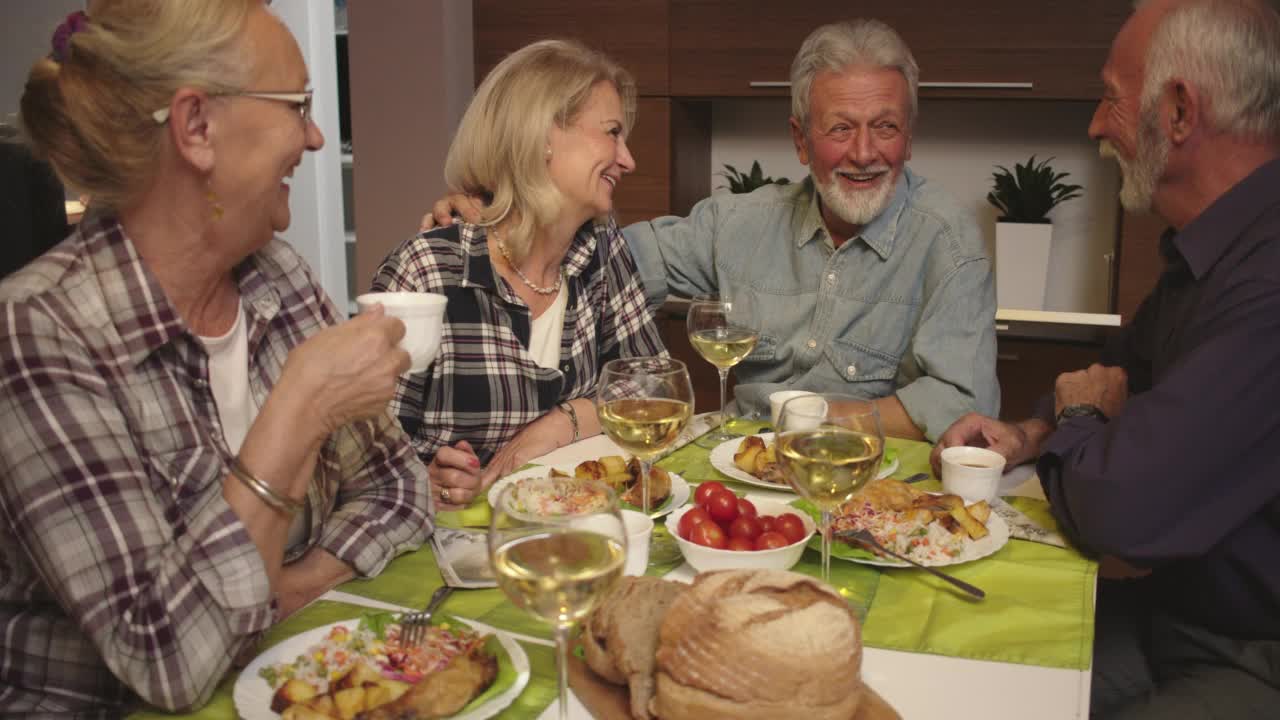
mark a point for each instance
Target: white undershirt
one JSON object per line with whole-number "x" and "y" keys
{"x": 229, "y": 380}
{"x": 546, "y": 330}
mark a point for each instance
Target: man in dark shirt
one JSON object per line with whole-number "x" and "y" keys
{"x": 1168, "y": 455}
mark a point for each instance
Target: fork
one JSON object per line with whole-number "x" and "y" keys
{"x": 413, "y": 627}
{"x": 866, "y": 539}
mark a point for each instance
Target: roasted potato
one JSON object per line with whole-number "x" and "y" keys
{"x": 302, "y": 712}
{"x": 293, "y": 692}
{"x": 980, "y": 511}
{"x": 974, "y": 528}
{"x": 349, "y": 702}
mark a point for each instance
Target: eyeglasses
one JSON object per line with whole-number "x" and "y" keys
{"x": 301, "y": 101}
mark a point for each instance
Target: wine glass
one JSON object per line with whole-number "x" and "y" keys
{"x": 643, "y": 404}
{"x": 723, "y": 331}
{"x": 555, "y": 559}
{"x": 829, "y": 446}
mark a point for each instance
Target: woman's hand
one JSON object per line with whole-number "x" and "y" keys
{"x": 552, "y": 430}
{"x": 455, "y": 475}
{"x": 344, "y": 373}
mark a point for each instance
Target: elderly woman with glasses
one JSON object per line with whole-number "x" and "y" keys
{"x": 194, "y": 443}
{"x": 542, "y": 290}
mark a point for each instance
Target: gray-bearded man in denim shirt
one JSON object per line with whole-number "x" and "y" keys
{"x": 869, "y": 279}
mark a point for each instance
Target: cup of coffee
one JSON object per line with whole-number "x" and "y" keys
{"x": 779, "y": 398}
{"x": 639, "y": 528}
{"x": 423, "y": 316}
{"x": 973, "y": 473}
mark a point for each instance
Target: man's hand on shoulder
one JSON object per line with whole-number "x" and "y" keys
{"x": 449, "y": 208}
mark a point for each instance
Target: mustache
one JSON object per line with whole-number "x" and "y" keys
{"x": 1106, "y": 149}
{"x": 863, "y": 171}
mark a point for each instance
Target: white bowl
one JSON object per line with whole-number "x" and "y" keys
{"x": 706, "y": 558}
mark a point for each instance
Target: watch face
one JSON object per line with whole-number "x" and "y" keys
{"x": 1082, "y": 410}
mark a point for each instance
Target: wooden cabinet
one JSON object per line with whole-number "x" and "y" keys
{"x": 720, "y": 47}
{"x": 1138, "y": 261}
{"x": 634, "y": 32}
{"x": 1028, "y": 367}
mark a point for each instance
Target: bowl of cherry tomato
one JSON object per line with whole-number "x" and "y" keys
{"x": 720, "y": 531}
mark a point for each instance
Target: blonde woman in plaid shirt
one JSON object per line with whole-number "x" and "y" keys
{"x": 542, "y": 290}
{"x": 193, "y": 444}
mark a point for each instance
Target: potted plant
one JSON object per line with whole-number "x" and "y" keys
{"x": 740, "y": 182}
{"x": 1024, "y": 233}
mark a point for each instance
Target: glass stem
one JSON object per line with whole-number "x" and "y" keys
{"x": 826, "y": 546}
{"x": 724, "y": 381}
{"x": 562, "y": 667}
{"x": 644, "y": 485}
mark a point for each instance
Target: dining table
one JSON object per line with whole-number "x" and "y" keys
{"x": 931, "y": 651}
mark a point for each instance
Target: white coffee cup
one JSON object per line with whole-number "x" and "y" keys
{"x": 639, "y": 529}
{"x": 973, "y": 473}
{"x": 423, "y": 316}
{"x": 817, "y": 407}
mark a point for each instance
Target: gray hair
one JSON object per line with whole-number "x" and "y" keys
{"x": 1230, "y": 50}
{"x": 840, "y": 45}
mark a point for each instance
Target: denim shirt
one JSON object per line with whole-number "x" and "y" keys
{"x": 906, "y": 308}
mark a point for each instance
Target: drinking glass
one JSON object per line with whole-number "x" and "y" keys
{"x": 643, "y": 404}
{"x": 557, "y": 563}
{"x": 829, "y": 446}
{"x": 723, "y": 331}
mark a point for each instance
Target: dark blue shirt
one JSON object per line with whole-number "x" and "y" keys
{"x": 1186, "y": 479}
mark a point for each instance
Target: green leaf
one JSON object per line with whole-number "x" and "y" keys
{"x": 1030, "y": 191}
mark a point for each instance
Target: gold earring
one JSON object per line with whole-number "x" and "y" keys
{"x": 215, "y": 207}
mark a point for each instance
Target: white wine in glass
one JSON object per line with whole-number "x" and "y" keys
{"x": 643, "y": 404}
{"x": 556, "y": 567}
{"x": 829, "y": 446}
{"x": 724, "y": 332}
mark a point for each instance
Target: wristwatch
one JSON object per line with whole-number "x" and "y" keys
{"x": 1081, "y": 410}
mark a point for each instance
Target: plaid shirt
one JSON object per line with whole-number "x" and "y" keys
{"x": 484, "y": 386}
{"x": 121, "y": 565}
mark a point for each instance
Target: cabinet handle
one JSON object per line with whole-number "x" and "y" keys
{"x": 1001, "y": 327}
{"x": 944, "y": 85}
{"x": 1008, "y": 357}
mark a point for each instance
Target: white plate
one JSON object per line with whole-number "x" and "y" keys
{"x": 722, "y": 460}
{"x": 252, "y": 694}
{"x": 679, "y": 488}
{"x": 997, "y": 536}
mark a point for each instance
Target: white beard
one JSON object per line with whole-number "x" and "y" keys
{"x": 856, "y": 207}
{"x": 1140, "y": 176}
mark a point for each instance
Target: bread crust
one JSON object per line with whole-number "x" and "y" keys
{"x": 758, "y": 643}
{"x": 621, "y": 636}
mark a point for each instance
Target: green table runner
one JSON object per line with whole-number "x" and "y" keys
{"x": 537, "y": 695}
{"x": 1038, "y": 609}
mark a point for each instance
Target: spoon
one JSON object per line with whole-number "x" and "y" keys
{"x": 864, "y": 538}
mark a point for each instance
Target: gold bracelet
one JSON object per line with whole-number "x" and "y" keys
{"x": 280, "y": 503}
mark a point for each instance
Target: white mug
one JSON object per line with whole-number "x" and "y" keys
{"x": 423, "y": 316}
{"x": 973, "y": 473}
{"x": 778, "y": 399}
{"x": 639, "y": 528}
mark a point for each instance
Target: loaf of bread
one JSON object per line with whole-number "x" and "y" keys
{"x": 758, "y": 645}
{"x": 620, "y": 638}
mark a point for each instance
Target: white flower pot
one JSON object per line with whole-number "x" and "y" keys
{"x": 1022, "y": 264}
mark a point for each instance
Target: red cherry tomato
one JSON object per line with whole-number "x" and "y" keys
{"x": 746, "y": 508}
{"x": 692, "y": 518}
{"x": 705, "y": 491}
{"x": 768, "y": 523}
{"x": 745, "y": 526}
{"x": 791, "y": 527}
{"x": 741, "y": 543}
{"x": 723, "y": 506}
{"x": 711, "y": 535}
{"x": 770, "y": 541}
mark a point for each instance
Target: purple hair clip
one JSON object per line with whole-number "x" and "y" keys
{"x": 74, "y": 23}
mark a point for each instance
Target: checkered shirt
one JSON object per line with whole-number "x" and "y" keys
{"x": 485, "y": 386}
{"x": 124, "y": 574}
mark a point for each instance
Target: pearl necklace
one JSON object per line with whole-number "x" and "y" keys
{"x": 502, "y": 248}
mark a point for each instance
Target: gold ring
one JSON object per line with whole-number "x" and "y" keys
{"x": 444, "y": 494}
